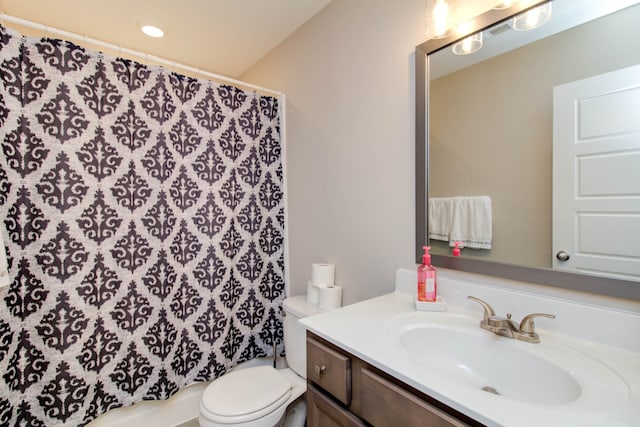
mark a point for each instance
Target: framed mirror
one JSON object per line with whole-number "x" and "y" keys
{"x": 503, "y": 110}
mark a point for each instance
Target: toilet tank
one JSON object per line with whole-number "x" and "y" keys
{"x": 295, "y": 339}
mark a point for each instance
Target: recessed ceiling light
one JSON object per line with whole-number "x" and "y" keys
{"x": 152, "y": 31}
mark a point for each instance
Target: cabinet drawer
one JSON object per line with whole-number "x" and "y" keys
{"x": 386, "y": 404}
{"x": 322, "y": 411}
{"x": 329, "y": 369}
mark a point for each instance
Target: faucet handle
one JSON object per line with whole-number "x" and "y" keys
{"x": 488, "y": 311}
{"x": 528, "y": 327}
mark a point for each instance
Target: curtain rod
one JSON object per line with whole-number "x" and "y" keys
{"x": 145, "y": 56}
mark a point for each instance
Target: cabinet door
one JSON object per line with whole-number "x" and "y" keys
{"x": 386, "y": 404}
{"x": 322, "y": 411}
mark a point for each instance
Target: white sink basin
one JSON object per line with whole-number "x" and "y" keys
{"x": 492, "y": 365}
{"x": 455, "y": 349}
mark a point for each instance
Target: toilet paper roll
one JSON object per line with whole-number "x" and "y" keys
{"x": 322, "y": 275}
{"x": 312, "y": 293}
{"x": 330, "y": 298}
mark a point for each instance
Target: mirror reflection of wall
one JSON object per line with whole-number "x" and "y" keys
{"x": 491, "y": 130}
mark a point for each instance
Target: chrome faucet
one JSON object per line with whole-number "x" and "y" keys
{"x": 506, "y": 327}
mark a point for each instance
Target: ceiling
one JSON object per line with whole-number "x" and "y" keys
{"x": 220, "y": 36}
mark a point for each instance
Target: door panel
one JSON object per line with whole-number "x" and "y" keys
{"x": 596, "y": 174}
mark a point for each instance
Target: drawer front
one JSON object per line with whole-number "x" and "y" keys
{"x": 386, "y": 404}
{"x": 329, "y": 369}
{"x": 322, "y": 411}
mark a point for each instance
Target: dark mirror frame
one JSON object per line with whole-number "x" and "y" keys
{"x": 543, "y": 276}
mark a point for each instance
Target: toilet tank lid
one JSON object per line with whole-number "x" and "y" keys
{"x": 300, "y": 307}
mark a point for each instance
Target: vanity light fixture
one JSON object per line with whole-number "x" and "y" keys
{"x": 533, "y": 18}
{"x": 441, "y": 20}
{"x": 152, "y": 31}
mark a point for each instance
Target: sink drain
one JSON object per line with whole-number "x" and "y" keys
{"x": 490, "y": 389}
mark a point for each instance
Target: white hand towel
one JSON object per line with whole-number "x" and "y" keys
{"x": 4, "y": 266}
{"x": 472, "y": 222}
{"x": 440, "y": 216}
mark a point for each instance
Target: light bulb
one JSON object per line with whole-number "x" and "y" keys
{"x": 468, "y": 45}
{"x": 441, "y": 19}
{"x": 533, "y": 18}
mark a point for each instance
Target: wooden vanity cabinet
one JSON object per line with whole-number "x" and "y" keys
{"x": 344, "y": 391}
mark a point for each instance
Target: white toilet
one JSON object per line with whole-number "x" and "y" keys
{"x": 259, "y": 396}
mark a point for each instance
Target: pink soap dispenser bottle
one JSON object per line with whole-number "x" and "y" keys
{"x": 456, "y": 249}
{"x": 426, "y": 278}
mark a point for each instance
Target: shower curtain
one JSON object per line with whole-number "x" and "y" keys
{"x": 144, "y": 219}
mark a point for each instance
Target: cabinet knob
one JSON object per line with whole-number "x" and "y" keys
{"x": 318, "y": 371}
{"x": 563, "y": 256}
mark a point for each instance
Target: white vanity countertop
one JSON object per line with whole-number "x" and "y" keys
{"x": 366, "y": 330}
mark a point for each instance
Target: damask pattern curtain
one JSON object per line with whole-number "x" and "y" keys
{"x": 144, "y": 223}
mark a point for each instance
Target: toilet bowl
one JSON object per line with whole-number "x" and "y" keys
{"x": 260, "y": 396}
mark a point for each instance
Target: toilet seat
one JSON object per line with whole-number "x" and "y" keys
{"x": 245, "y": 395}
